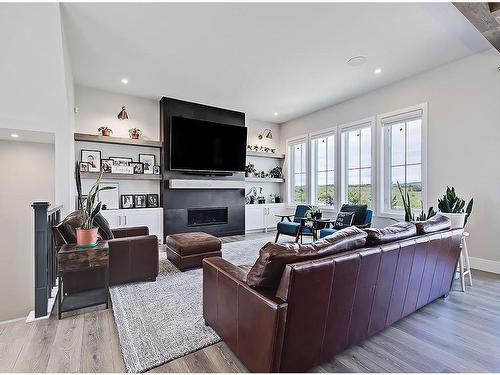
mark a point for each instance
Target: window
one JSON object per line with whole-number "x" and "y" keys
{"x": 323, "y": 169}
{"x": 357, "y": 164}
{"x": 297, "y": 171}
{"x": 403, "y": 159}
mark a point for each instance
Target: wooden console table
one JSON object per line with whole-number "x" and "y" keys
{"x": 70, "y": 258}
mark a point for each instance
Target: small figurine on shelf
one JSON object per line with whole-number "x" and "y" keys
{"x": 105, "y": 131}
{"x": 135, "y": 133}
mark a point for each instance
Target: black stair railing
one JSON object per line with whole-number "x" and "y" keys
{"x": 45, "y": 254}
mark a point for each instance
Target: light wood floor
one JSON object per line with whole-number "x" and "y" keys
{"x": 457, "y": 334}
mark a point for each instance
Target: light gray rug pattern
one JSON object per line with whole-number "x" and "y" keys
{"x": 163, "y": 320}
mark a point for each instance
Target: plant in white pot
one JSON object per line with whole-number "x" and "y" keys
{"x": 454, "y": 207}
{"x": 86, "y": 235}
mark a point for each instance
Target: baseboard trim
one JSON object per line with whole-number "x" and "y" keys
{"x": 487, "y": 265}
{"x": 12, "y": 320}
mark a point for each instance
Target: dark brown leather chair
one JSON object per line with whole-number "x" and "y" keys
{"x": 323, "y": 306}
{"x": 133, "y": 256}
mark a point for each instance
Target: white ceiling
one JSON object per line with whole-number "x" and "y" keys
{"x": 261, "y": 58}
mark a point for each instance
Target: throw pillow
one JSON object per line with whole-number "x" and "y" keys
{"x": 273, "y": 257}
{"x": 435, "y": 224}
{"x": 343, "y": 220}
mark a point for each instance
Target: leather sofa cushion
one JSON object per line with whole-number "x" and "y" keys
{"x": 193, "y": 243}
{"x": 392, "y": 233}
{"x": 435, "y": 224}
{"x": 273, "y": 257}
{"x": 67, "y": 227}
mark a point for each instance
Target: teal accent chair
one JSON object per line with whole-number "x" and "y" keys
{"x": 365, "y": 223}
{"x": 294, "y": 228}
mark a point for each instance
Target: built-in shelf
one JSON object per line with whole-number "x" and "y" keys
{"x": 82, "y": 137}
{"x": 260, "y": 179}
{"x": 265, "y": 155}
{"x": 121, "y": 176}
{"x": 281, "y": 204}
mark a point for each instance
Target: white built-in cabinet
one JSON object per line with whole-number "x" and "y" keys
{"x": 150, "y": 217}
{"x": 261, "y": 217}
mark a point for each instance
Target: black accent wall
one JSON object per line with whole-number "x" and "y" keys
{"x": 176, "y": 202}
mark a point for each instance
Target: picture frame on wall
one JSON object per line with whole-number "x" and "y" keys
{"x": 127, "y": 201}
{"x": 138, "y": 167}
{"x": 149, "y": 161}
{"x": 109, "y": 198}
{"x": 93, "y": 158}
{"x": 120, "y": 161}
{"x": 153, "y": 201}
{"x": 106, "y": 165}
{"x": 140, "y": 201}
{"x": 156, "y": 169}
{"x": 84, "y": 167}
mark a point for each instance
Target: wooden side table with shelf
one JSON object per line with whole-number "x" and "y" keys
{"x": 70, "y": 258}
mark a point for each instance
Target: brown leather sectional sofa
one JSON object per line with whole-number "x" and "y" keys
{"x": 334, "y": 298}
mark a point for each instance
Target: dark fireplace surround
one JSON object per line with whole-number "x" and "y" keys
{"x": 220, "y": 212}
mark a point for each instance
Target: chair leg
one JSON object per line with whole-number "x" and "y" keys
{"x": 461, "y": 268}
{"x": 277, "y": 236}
{"x": 467, "y": 260}
{"x": 297, "y": 236}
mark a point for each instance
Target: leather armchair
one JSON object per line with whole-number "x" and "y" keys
{"x": 133, "y": 256}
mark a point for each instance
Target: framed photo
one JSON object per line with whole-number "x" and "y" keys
{"x": 138, "y": 167}
{"x": 119, "y": 161}
{"x": 109, "y": 198}
{"x": 93, "y": 157}
{"x": 127, "y": 201}
{"x": 84, "y": 167}
{"x": 149, "y": 161}
{"x": 106, "y": 165}
{"x": 123, "y": 169}
{"x": 156, "y": 169}
{"x": 140, "y": 201}
{"x": 152, "y": 200}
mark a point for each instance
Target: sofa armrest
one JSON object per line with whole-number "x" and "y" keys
{"x": 133, "y": 259}
{"x": 250, "y": 323}
{"x": 130, "y": 232}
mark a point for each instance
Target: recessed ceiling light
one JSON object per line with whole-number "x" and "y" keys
{"x": 378, "y": 70}
{"x": 14, "y": 135}
{"x": 276, "y": 113}
{"x": 356, "y": 60}
{"x": 124, "y": 81}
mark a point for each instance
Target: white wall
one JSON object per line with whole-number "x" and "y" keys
{"x": 464, "y": 135}
{"x": 98, "y": 108}
{"x": 28, "y": 170}
{"x": 35, "y": 89}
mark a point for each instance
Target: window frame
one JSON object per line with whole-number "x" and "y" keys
{"x": 383, "y": 160}
{"x": 313, "y": 173}
{"x": 290, "y": 163}
{"x": 368, "y": 122}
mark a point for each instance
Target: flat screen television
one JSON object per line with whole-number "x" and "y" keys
{"x": 205, "y": 146}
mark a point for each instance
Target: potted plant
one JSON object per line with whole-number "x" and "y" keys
{"x": 86, "y": 235}
{"x": 105, "y": 131}
{"x": 314, "y": 213}
{"x": 249, "y": 169}
{"x": 135, "y": 133}
{"x": 409, "y": 215}
{"x": 276, "y": 172}
{"x": 454, "y": 207}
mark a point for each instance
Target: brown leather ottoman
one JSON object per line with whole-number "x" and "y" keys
{"x": 187, "y": 250}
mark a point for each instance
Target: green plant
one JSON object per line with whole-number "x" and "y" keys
{"x": 105, "y": 128}
{"x": 451, "y": 203}
{"x": 276, "y": 172}
{"x": 313, "y": 211}
{"x": 92, "y": 206}
{"x": 134, "y": 131}
{"x": 409, "y": 215}
{"x": 249, "y": 169}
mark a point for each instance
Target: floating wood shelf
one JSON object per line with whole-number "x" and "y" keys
{"x": 117, "y": 140}
{"x": 121, "y": 176}
{"x": 265, "y": 155}
{"x": 260, "y": 179}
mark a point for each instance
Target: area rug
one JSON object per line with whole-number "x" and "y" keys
{"x": 163, "y": 320}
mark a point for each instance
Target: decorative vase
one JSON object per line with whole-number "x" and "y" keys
{"x": 106, "y": 132}
{"x": 457, "y": 220}
{"x": 86, "y": 237}
{"x": 277, "y": 199}
{"x": 134, "y": 135}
